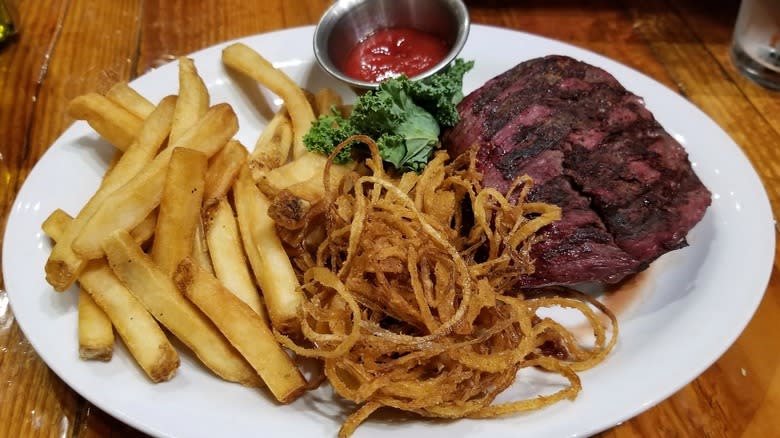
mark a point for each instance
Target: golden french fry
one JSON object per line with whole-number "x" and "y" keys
{"x": 324, "y": 101}
{"x": 311, "y": 190}
{"x": 64, "y": 265}
{"x": 345, "y": 109}
{"x": 243, "y": 328}
{"x": 309, "y": 97}
{"x": 296, "y": 171}
{"x": 193, "y": 99}
{"x": 227, "y": 254}
{"x": 55, "y": 224}
{"x": 114, "y": 160}
{"x": 112, "y": 121}
{"x": 242, "y": 58}
{"x": 200, "y": 248}
{"x": 143, "y": 338}
{"x": 96, "y": 333}
{"x": 144, "y": 231}
{"x": 270, "y": 264}
{"x": 179, "y": 215}
{"x": 247, "y": 61}
{"x": 141, "y": 234}
{"x": 269, "y": 131}
{"x": 123, "y": 95}
{"x": 131, "y": 203}
{"x": 302, "y": 176}
{"x": 272, "y": 147}
{"x": 223, "y": 170}
{"x": 157, "y": 292}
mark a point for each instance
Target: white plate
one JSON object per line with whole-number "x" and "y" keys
{"x": 695, "y": 305}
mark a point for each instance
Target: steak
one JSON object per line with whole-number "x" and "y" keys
{"x": 626, "y": 188}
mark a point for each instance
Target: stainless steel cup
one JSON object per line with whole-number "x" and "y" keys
{"x": 347, "y": 22}
{"x": 755, "y": 48}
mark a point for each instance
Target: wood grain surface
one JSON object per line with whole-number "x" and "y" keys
{"x": 69, "y": 47}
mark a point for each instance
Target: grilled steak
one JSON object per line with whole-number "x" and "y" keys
{"x": 625, "y": 186}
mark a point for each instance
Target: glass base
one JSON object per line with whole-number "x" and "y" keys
{"x": 755, "y": 71}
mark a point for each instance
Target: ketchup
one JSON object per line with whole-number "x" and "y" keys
{"x": 390, "y": 52}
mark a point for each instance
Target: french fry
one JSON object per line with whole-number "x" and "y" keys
{"x": 56, "y": 223}
{"x": 309, "y": 97}
{"x": 141, "y": 234}
{"x": 242, "y": 58}
{"x": 143, "y": 337}
{"x": 96, "y": 333}
{"x": 270, "y": 264}
{"x": 273, "y": 146}
{"x": 324, "y": 101}
{"x": 227, "y": 254}
{"x": 200, "y": 248}
{"x": 302, "y": 176}
{"x": 248, "y": 333}
{"x": 112, "y": 121}
{"x": 144, "y": 231}
{"x": 345, "y": 109}
{"x": 131, "y": 203}
{"x": 296, "y": 171}
{"x": 64, "y": 265}
{"x": 223, "y": 170}
{"x": 114, "y": 160}
{"x": 141, "y": 334}
{"x": 126, "y": 97}
{"x": 311, "y": 190}
{"x": 193, "y": 99}
{"x": 157, "y": 292}
{"x": 281, "y": 116}
{"x": 180, "y": 203}
{"x": 247, "y": 61}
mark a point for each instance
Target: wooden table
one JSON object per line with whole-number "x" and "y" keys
{"x": 69, "y": 47}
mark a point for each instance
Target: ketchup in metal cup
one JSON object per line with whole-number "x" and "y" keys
{"x": 390, "y": 52}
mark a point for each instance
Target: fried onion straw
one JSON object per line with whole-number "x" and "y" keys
{"x": 411, "y": 298}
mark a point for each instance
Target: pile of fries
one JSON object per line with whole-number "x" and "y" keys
{"x": 178, "y": 234}
{"x": 406, "y": 302}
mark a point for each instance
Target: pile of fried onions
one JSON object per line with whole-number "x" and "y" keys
{"x": 411, "y": 296}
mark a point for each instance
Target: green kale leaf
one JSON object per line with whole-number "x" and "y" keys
{"x": 329, "y": 131}
{"x": 404, "y": 117}
{"x": 441, "y": 93}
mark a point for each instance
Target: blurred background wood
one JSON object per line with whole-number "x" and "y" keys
{"x": 69, "y": 47}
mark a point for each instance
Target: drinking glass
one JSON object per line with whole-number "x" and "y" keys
{"x": 755, "y": 47}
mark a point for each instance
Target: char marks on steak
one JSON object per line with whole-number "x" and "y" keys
{"x": 625, "y": 186}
